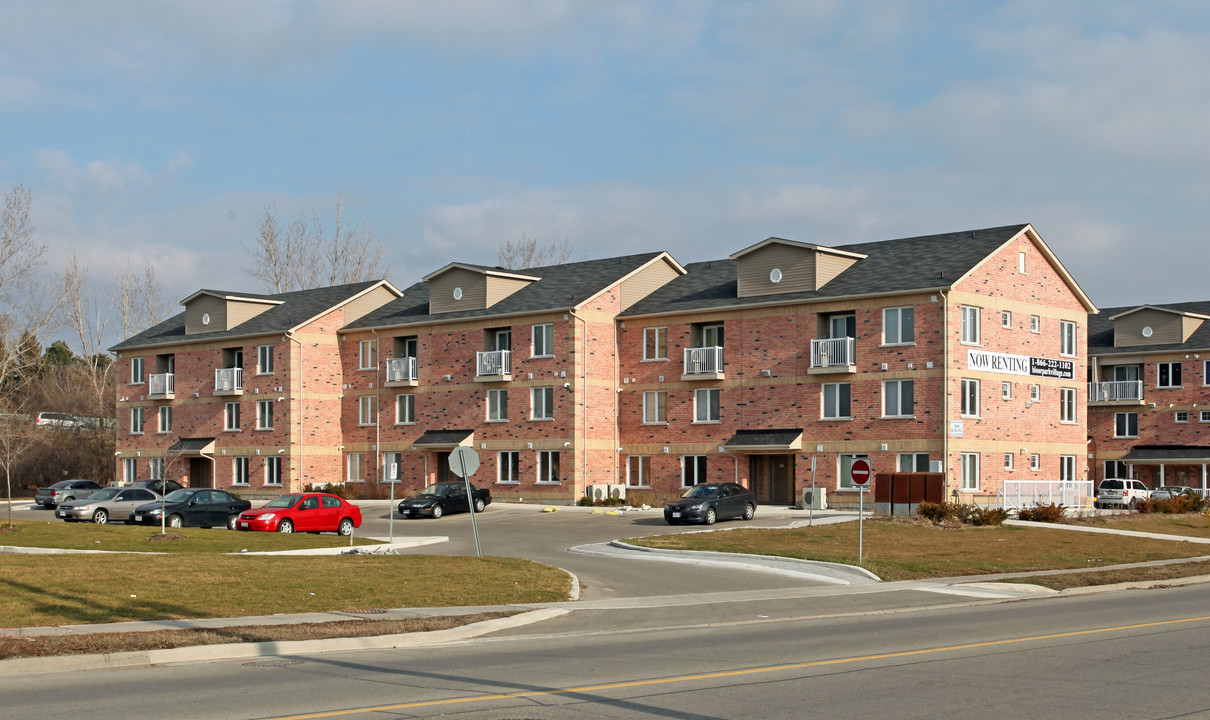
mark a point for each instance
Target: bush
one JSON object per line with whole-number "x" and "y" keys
{"x": 937, "y": 512}
{"x": 1051, "y": 513}
{"x": 584, "y": 501}
{"x": 636, "y": 498}
{"x": 335, "y": 488}
{"x": 988, "y": 516}
{"x": 1186, "y": 503}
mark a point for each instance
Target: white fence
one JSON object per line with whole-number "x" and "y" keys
{"x": 1027, "y": 493}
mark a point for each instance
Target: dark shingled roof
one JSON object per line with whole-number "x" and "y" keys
{"x": 560, "y": 287}
{"x": 1144, "y": 454}
{"x": 918, "y": 263}
{"x": 442, "y": 437}
{"x": 1100, "y": 331}
{"x": 764, "y": 438}
{"x": 191, "y": 446}
{"x": 296, "y": 307}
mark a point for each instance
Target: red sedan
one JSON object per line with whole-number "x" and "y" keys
{"x": 303, "y": 512}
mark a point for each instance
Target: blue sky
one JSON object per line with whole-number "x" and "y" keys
{"x": 161, "y": 130}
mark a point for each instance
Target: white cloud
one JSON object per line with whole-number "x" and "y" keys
{"x": 62, "y": 170}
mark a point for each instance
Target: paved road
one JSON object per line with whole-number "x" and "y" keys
{"x": 1116, "y": 654}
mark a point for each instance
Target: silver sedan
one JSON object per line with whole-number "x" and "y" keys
{"x": 106, "y": 504}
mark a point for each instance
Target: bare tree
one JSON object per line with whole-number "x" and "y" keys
{"x": 27, "y": 306}
{"x": 138, "y": 299}
{"x": 16, "y": 437}
{"x": 528, "y": 253}
{"x": 303, "y": 254}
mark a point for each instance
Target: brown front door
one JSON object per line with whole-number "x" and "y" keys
{"x": 772, "y": 478}
{"x": 199, "y": 473}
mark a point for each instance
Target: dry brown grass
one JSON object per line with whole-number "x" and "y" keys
{"x": 1157, "y": 573}
{"x": 104, "y": 643}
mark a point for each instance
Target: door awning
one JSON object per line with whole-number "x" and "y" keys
{"x": 444, "y": 439}
{"x": 192, "y": 447}
{"x": 765, "y": 441}
{"x": 1168, "y": 455}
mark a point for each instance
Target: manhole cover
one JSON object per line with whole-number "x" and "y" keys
{"x": 365, "y": 611}
{"x": 278, "y": 662}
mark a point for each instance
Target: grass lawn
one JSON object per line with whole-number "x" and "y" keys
{"x": 134, "y": 538}
{"x": 901, "y": 551}
{"x": 1190, "y": 524}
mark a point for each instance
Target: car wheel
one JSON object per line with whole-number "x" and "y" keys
{"x": 479, "y": 505}
{"x": 175, "y": 521}
{"x": 285, "y": 526}
{"x": 66, "y": 499}
{"x": 1134, "y": 503}
{"x": 711, "y": 516}
{"x": 749, "y": 511}
{"x": 437, "y": 512}
{"x": 100, "y": 517}
{"x": 231, "y": 522}
{"x": 346, "y": 527}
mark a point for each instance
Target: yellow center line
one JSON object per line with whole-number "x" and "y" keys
{"x": 737, "y": 673}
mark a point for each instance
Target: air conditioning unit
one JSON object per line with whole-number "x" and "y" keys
{"x": 616, "y": 491}
{"x": 936, "y": 466}
{"x": 598, "y": 492}
{"x": 816, "y": 499}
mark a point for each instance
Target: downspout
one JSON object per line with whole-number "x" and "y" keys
{"x": 377, "y": 409}
{"x": 945, "y": 379}
{"x": 584, "y": 403}
{"x": 302, "y": 441}
{"x": 213, "y": 468}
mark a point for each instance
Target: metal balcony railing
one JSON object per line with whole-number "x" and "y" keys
{"x": 1115, "y": 391}
{"x": 703, "y": 360}
{"x": 228, "y": 379}
{"x": 161, "y": 384}
{"x": 401, "y": 368}
{"x": 836, "y": 352}
{"x": 493, "y": 362}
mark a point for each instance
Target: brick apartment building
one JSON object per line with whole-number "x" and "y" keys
{"x": 957, "y": 352}
{"x": 1149, "y": 394}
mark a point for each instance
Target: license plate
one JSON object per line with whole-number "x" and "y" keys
{"x": 676, "y": 514}
{"x": 138, "y": 518}
{"x": 61, "y": 513}
{"x": 243, "y": 524}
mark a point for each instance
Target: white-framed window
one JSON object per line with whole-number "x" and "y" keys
{"x": 1205, "y": 372}
{"x": 365, "y": 355}
{"x": 638, "y": 471}
{"x": 970, "y": 397}
{"x": 356, "y": 470}
{"x": 405, "y": 408}
{"x": 655, "y": 343}
{"x": 365, "y": 410}
{"x": 1035, "y": 392}
{"x": 156, "y": 467}
{"x": 1182, "y": 416}
{"x": 1006, "y": 319}
{"x": 231, "y": 417}
{"x": 898, "y": 398}
{"x": 1168, "y": 374}
{"x": 970, "y": 325}
{"x": 130, "y": 470}
{"x": 165, "y": 419}
{"x": 497, "y": 405}
{"x": 239, "y": 471}
{"x": 693, "y": 470}
{"x": 1126, "y": 424}
{"x": 264, "y": 414}
{"x": 1035, "y": 323}
{"x": 1067, "y": 468}
{"x": 914, "y": 462}
{"x": 548, "y": 466}
{"x": 836, "y": 400}
{"x": 706, "y": 405}
{"x": 1006, "y": 391}
{"x": 1067, "y": 338}
{"x": 544, "y": 340}
{"x": 1021, "y": 263}
{"x": 1118, "y": 469}
{"x": 136, "y": 421}
{"x": 970, "y": 471}
{"x": 1067, "y": 405}
{"x": 136, "y": 371}
{"x": 543, "y": 403}
{"x": 273, "y": 470}
{"x": 1035, "y": 462}
{"x": 655, "y": 407}
{"x": 843, "y": 471}
{"x": 506, "y": 466}
{"x": 1008, "y": 461}
{"x": 1204, "y": 416}
{"x": 392, "y": 466}
{"x": 898, "y": 325}
{"x": 264, "y": 359}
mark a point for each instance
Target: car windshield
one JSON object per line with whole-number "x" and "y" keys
{"x": 438, "y": 490}
{"x": 702, "y": 491}
{"x": 285, "y": 501}
{"x": 105, "y": 494}
{"x": 1112, "y": 485}
{"x": 178, "y": 495}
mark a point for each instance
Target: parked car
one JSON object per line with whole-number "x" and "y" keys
{"x": 58, "y": 420}
{"x": 106, "y": 504}
{"x": 192, "y": 507}
{"x": 65, "y": 490}
{"x": 444, "y": 497}
{"x": 159, "y": 487}
{"x": 709, "y": 502}
{"x": 1125, "y": 492}
{"x": 1171, "y": 491}
{"x": 303, "y": 512}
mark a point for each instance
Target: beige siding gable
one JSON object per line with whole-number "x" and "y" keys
{"x": 777, "y": 268}
{"x": 499, "y": 288}
{"x": 1149, "y": 326}
{"x": 646, "y": 281}
{"x": 241, "y": 312}
{"x": 368, "y": 303}
{"x": 472, "y": 286}
{"x": 208, "y": 308}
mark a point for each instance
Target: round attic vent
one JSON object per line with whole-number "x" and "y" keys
{"x": 1147, "y": 331}
{"x": 205, "y": 318}
{"x": 457, "y": 293}
{"x": 775, "y": 276}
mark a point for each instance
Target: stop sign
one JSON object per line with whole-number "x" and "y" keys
{"x": 860, "y": 471}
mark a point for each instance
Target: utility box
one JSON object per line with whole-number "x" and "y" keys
{"x": 813, "y": 498}
{"x": 900, "y": 493}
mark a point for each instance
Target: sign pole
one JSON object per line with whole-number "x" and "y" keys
{"x": 861, "y": 474}
{"x": 811, "y": 514}
{"x": 464, "y": 461}
{"x": 860, "y": 523}
{"x": 391, "y": 510}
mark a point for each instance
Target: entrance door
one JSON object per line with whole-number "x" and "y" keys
{"x": 772, "y": 479}
{"x": 442, "y": 471}
{"x": 199, "y": 473}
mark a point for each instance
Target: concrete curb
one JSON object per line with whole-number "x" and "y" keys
{"x": 1108, "y": 531}
{"x": 834, "y": 573}
{"x": 235, "y": 651}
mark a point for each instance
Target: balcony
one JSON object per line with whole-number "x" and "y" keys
{"x": 401, "y": 372}
{"x": 229, "y": 381}
{"x": 161, "y": 386}
{"x": 493, "y": 365}
{"x": 1121, "y": 392}
{"x": 837, "y": 355}
{"x": 703, "y": 363}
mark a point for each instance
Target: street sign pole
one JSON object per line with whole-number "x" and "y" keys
{"x": 811, "y": 514}
{"x": 464, "y": 461}
{"x": 393, "y": 472}
{"x": 861, "y": 474}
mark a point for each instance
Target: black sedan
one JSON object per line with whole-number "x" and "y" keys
{"x": 192, "y": 507}
{"x": 444, "y": 497}
{"x": 712, "y": 501}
